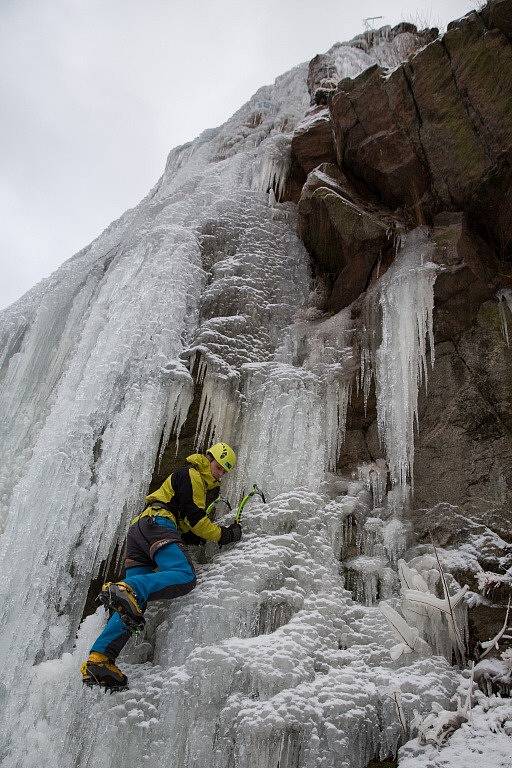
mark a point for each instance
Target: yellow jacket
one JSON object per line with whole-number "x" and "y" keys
{"x": 184, "y": 495}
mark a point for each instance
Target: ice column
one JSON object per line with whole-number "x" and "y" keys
{"x": 93, "y": 458}
{"x": 39, "y": 334}
{"x": 329, "y": 354}
{"x": 374, "y": 475}
{"x": 407, "y": 302}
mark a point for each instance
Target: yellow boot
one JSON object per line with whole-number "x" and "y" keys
{"x": 100, "y": 670}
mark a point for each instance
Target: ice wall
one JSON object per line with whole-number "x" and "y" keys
{"x": 94, "y": 455}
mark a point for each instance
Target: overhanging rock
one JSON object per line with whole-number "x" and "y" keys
{"x": 344, "y": 234}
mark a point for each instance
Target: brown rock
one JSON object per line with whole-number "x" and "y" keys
{"x": 344, "y": 234}
{"x": 454, "y": 151}
{"x": 354, "y": 451}
{"x": 372, "y": 140}
{"x": 430, "y": 133}
{"x": 490, "y": 205}
{"x": 481, "y": 65}
{"x": 463, "y": 453}
{"x": 468, "y": 277}
{"x": 313, "y": 141}
{"x": 498, "y": 14}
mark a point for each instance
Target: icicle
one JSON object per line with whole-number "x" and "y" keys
{"x": 178, "y": 404}
{"x": 394, "y": 540}
{"x": 218, "y": 408}
{"x": 407, "y": 301}
{"x": 337, "y": 399}
{"x": 372, "y": 544}
{"x": 328, "y": 353}
{"x": 276, "y": 165}
{"x": 349, "y": 533}
{"x": 370, "y": 327}
{"x": 374, "y": 475}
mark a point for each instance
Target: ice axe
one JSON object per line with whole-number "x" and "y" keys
{"x": 210, "y": 509}
{"x": 255, "y": 491}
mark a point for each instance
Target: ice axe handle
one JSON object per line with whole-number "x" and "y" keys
{"x": 245, "y": 498}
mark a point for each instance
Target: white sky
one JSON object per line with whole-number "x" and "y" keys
{"x": 94, "y": 93}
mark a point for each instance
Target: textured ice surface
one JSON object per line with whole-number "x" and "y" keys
{"x": 269, "y": 660}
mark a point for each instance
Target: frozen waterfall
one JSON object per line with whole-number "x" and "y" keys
{"x": 200, "y": 292}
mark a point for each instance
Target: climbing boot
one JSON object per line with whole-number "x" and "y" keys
{"x": 121, "y": 598}
{"x": 100, "y": 670}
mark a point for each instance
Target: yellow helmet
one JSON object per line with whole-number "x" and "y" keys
{"x": 223, "y": 455}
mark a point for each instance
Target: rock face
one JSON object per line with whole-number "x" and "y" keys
{"x": 437, "y": 129}
{"x": 321, "y": 68}
{"x": 347, "y": 233}
{"x": 313, "y": 140}
{"x": 429, "y": 142}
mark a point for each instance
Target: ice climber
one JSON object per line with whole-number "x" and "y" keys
{"x": 157, "y": 565}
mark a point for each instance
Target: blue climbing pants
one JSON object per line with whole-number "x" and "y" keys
{"x": 169, "y": 575}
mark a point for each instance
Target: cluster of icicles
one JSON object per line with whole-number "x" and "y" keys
{"x": 302, "y": 408}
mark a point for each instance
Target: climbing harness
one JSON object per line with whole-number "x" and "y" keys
{"x": 156, "y": 508}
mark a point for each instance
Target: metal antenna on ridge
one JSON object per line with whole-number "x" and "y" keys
{"x": 366, "y": 22}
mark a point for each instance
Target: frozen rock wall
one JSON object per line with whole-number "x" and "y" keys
{"x": 218, "y": 307}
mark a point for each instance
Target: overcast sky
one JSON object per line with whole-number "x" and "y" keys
{"x": 94, "y": 93}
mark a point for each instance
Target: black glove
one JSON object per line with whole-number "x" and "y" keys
{"x": 230, "y": 534}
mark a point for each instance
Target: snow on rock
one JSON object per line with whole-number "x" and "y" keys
{"x": 487, "y": 737}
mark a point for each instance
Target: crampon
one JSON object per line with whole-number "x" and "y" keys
{"x": 98, "y": 670}
{"x": 121, "y": 598}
